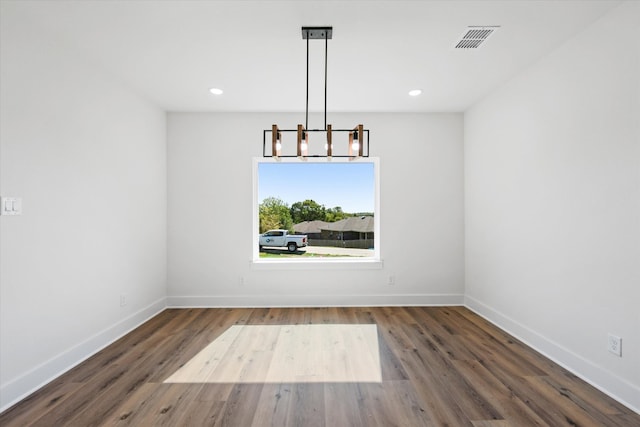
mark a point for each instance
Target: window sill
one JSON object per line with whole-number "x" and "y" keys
{"x": 317, "y": 264}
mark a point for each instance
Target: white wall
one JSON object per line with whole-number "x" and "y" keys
{"x": 552, "y": 204}
{"x": 88, "y": 159}
{"x": 210, "y": 214}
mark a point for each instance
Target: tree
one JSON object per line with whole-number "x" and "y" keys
{"x": 307, "y": 211}
{"x": 274, "y": 214}
{"x": 335, "y": 214}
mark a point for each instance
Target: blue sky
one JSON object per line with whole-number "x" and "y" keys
{"x": 348, "y": 185}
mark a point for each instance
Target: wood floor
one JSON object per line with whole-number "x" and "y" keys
{"x": 438, "y": 366}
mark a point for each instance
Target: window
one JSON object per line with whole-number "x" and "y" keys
{"x": 334, "y": 203}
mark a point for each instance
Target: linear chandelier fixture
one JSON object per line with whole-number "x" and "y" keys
{"x": 351, "y": 143}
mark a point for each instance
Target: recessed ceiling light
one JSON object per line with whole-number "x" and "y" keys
{"x": 216, "y": 91}
{"x": 415, "y": 92}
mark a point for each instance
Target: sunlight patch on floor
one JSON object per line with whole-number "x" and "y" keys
{"x": 287, "y": 354}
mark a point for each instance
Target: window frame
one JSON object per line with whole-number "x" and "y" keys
{"x": 373, "y": 262}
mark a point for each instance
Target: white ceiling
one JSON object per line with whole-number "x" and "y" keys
{"x": 172, "y": 52}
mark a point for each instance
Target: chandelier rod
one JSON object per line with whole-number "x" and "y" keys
{"x": 306, "y": 117}
{"x": 326, "y": 52}
{"x": 308, "y": 33}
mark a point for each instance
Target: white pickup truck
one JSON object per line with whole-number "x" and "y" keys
{"x": 282, "y": 238}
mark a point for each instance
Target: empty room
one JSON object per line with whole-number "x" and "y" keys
{"x": 320, "y": 213}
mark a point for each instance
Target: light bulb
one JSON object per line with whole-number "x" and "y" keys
{"x": 303, "y": 145}
{"x": 278, "y": 145}
{"x": 355, "y": 145}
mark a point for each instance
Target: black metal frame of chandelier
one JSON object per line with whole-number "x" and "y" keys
{"x": 365, "y": 146}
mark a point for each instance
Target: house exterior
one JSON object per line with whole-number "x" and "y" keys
{"x": 352, "y": 228}
{"x": 313, "y": 229}
{"x": 352, "y": 232}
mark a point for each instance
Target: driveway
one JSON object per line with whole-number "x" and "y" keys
{"x": 339, "y": 251}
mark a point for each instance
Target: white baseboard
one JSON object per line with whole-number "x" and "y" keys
{"x": 19, "y": 388}
{"x": 314, "y": 300}
{"x": 619, "y": 389}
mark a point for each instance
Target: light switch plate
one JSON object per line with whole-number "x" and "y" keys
{"x": 11, "y": 206}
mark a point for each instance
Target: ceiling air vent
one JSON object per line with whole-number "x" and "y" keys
{"x": 474, "y": 36}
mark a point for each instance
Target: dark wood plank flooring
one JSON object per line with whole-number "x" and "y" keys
{"x": 440, "y": 366}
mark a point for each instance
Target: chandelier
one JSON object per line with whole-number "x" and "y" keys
{"x": 349, "y": 143}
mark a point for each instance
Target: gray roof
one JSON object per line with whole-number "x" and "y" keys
{"x": 360, "y": 224}
{"x": 308, "y": 227}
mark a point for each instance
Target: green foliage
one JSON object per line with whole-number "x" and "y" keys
{"x": 361, "y": 214}
{"x": 274, "y": 214}
{"x": 335, "y": 214}
{"x": 307, "y": 211}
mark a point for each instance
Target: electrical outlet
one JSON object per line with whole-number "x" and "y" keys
{"x": 615, "y": 345}
{"x": 123, "y": 300}
{"x": 392, "y": 280}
